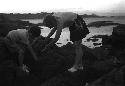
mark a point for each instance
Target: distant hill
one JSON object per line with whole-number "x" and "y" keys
{"x": 91, "y": 16}
{"x": 25, "y": 15}
{"x": 8, "y": 23}
{"x": 43, "y": 14}
{"x": 38, "y": 15}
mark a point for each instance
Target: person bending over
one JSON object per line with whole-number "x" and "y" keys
{"x": 78, "y": 30}
{"x": 20, "y": 39}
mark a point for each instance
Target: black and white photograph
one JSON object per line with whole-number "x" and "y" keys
{"x": 62, "y": 42}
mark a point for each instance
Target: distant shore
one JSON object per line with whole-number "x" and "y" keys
{"x": 43, "y": 14}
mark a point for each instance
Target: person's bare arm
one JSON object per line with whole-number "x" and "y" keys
{"x": 31, "y": 49}
{"x": 50, "y": 34}
{"x": 57, "y": 36}
{"x": 32, "y": 52}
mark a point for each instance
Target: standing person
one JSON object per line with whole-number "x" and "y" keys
{"x": 78, "y": 30}
{"x": 20, "y": 39}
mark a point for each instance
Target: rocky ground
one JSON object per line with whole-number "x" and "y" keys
{"x": 102, "y": 23}
{"x": 7, "y": 24}
{"x": 100, "y": 68}
{"x": 51, "y": 68}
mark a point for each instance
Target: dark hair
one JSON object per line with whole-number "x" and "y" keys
{"x": 80, "y": 19}
{"x": 50, "y": 21}
{"x": 35, "y": 30}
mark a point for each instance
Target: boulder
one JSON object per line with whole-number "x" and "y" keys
{"x": 118, "y": 37}
{"x": 7, "y": 24}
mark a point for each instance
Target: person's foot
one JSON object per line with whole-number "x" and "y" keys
{"x": 25, "y": 69}
{"x": 80, "y": 67}
{"x": 73, "y": 69}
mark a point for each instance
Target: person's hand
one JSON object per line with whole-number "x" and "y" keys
{"x": 45, "y": 49}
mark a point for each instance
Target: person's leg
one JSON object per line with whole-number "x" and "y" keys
{"x": 21, "y": 57}
{"x": 79, "y": 53}
{"x": 78, "y": 58}
{"x": 20, "y": 61}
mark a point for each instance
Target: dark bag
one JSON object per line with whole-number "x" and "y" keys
{"x": 84, "y": 28}
{"x": 79, "y": 26}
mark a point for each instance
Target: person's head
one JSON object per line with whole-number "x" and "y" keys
{"x": 79, "y": 19}
{"x": 50, "y": 21}
{"x": 34, "y": 31}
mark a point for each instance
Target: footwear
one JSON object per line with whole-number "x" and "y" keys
{"x": 73, "y": 69}
{"x": 25, "y": 69}
{"x": 22, "y": 71}
{"x": 80, "y": 67}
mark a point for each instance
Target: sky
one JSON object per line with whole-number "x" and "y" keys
{"x": 37, "y": 6}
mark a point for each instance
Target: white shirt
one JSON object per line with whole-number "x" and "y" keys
{"x": 19, "y": 35}
{"x": 63, "y": 17}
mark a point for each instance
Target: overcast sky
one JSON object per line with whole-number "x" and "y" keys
{"x": 37, "y": 6}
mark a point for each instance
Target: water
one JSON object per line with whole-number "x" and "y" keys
{"x": 35, "y": 21}
{"x": 65, "y": 35}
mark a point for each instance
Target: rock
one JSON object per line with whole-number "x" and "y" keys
{"x": 118, "y": 37}
{"x": 40, "y": 43}
{"x": 7, "y": 24}
{"x": 51, "y": 68}
{"x": 113, "y": 78}
{"x": 116, "y": 41}
{"x": 106, "y": 40}
{"x": 65, "y": 79}
{"x": 101, "y": 23}
{"x": 92, "y": 39}
{"x": 95, "y": 44}
{"x": 7, "y": 73}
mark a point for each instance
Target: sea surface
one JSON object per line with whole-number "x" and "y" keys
{"x": 65, "y": 35}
